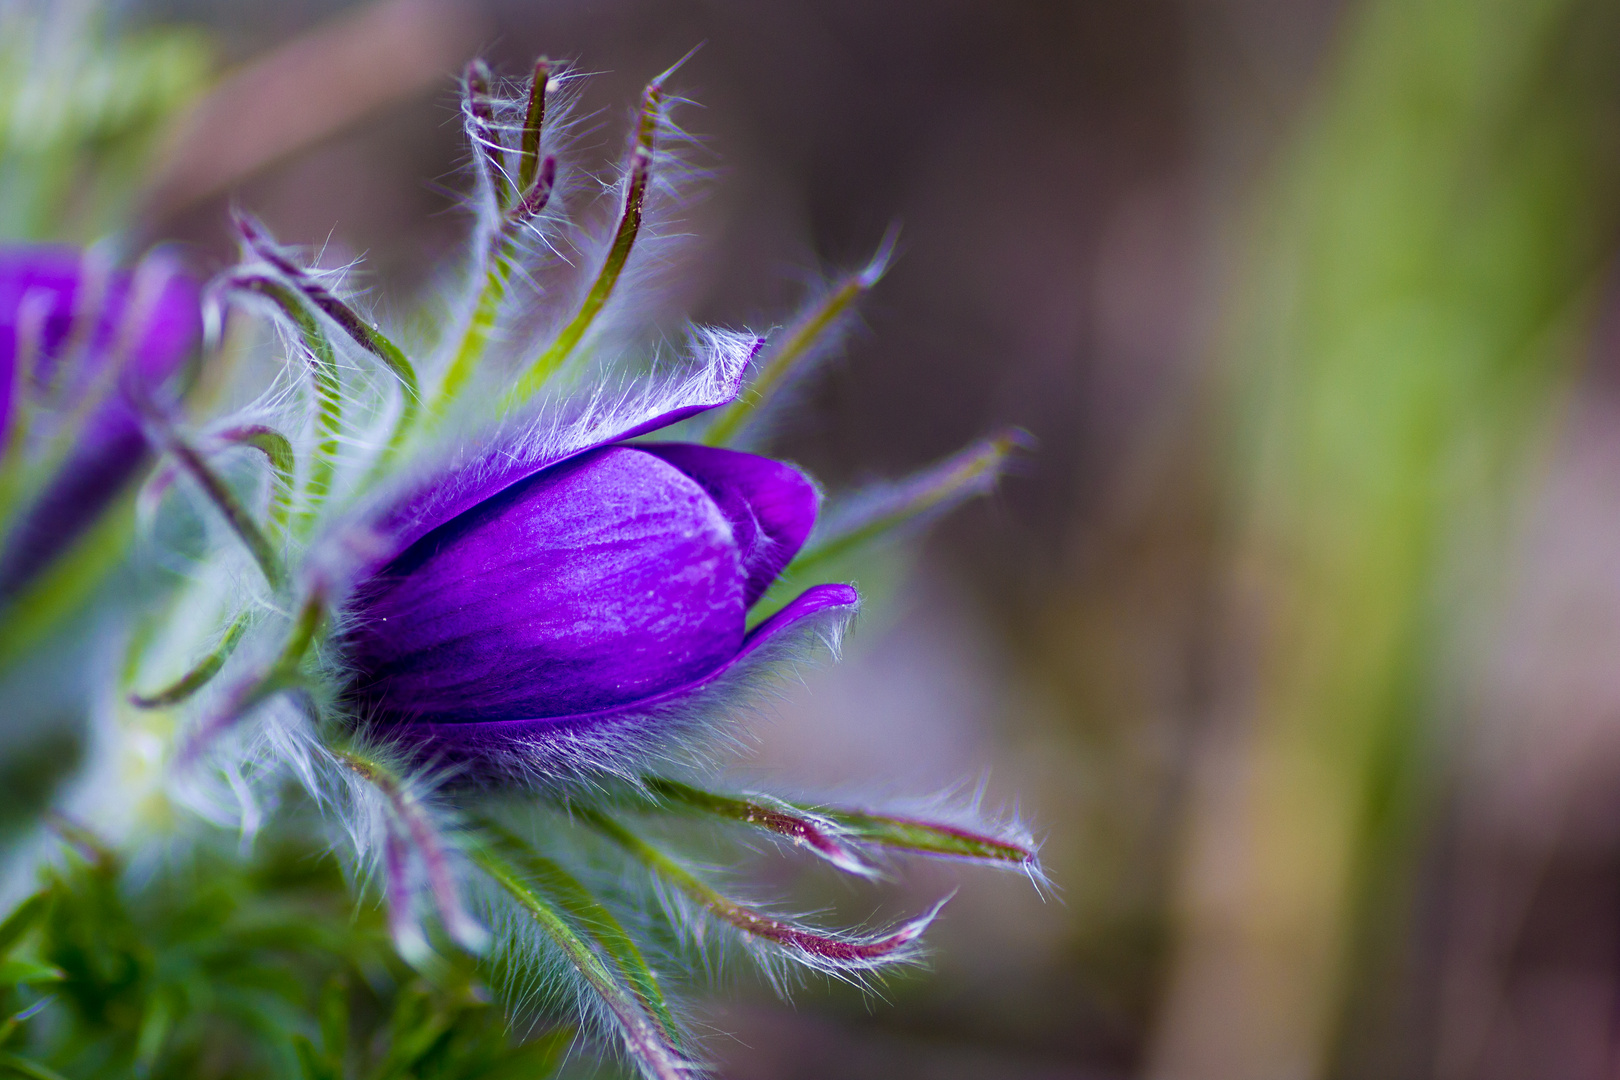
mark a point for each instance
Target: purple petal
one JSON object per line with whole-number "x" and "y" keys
{"x": 51, "y": 269}
{"x": 595, "y": 584}
{"x": 625, "y": 725}
{"x": 514, "y": 455}
{"x": 111, "y": 447}
{"x": 813, "y": 601}
{"x": 772, "y": 506}
{"x": 172, "y": 332}
{"x": 55, "y": 274}
{"x": 40, "y": 274}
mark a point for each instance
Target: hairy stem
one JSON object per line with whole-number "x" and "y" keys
{"x": 643, "y": 1039}
{"x": 199, "y": 676}
{"x": 367, "y": 335}
{"x": 588, "y": 913}
{"x": 929, "y": 838}
{"x": 498, "y": 265}
{"x": 816, "y": 948}
{"x": 229, "y": 506}
{"x": 277, "y": 449}
{"x": 624, "y": 238}
{"x": 805, "y": 828}
{"x": 799, "y": 344}
{"x": 425, "y": 838}
{"x": 971, "y": 472}
{"x": 281, "y": 674}
{"x": 323, "y": 371}
{"x": 533, "y": 124}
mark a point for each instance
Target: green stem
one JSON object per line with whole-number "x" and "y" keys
{"x": 819, "y": 949}
{"x": 281, "y": 674}
{"x": 588, "y": 913}
{"x": 199, "y": 676}
{"x": 927, "y": 838}
{"x": 366, "y": 335}
{"x": 498, "y": 263}
{"x": 277, "y": 449}
{"x": 618, "y": 255}
{"x": 323, "y": 372}
{"x": 805, "y": 828}
{"x": 229, "y": 506}
{"x": 425, "y": 838}
{"x": 533, "y": 123}
{"x": 475, "y": 88}
{"x": 475, "y": 338}
{"x": 961, "y": 476}
{"x": 799, "y": 344}
{"x": 643, "y": 1038}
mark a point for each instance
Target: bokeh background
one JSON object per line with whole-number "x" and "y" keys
{"x": 1297, "y": 639}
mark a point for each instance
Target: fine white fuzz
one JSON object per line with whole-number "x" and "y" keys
{"x": 340, "y": 450}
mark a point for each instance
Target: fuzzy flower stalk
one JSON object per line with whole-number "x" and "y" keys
{"x": 495, "y": 597}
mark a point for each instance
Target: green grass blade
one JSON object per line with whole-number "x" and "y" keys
{"x": 21, "y": 920}
{"x": 28, "y": 1067}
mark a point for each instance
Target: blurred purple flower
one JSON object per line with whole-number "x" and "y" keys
{"x": 76, "y": 341}
{"x": 589, "y": 594}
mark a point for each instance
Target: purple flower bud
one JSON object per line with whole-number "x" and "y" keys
{"x": 590, "y": 592}
{"x": 66, "y": 321}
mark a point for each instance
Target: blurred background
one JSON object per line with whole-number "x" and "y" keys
{"x": 1295, "y": 639}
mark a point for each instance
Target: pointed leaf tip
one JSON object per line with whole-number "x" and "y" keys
{"x": 794, "y": 352}
{"x": 878, "y": 265}
{"x": 933, "y": 838}
{"x": 613, "y": 264}
{"x": 821, "y": 949}
{"x": 881, "y": 508}
{"x": 659, "y": 80}
{"x": 800, "y": 827}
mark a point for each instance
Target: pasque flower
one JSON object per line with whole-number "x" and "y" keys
{"x": 77, "y": 340}
{"x": 474, "y": 556}
{"x": 589, "y": 592}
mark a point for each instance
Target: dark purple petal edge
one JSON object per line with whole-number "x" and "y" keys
{"x": 506, "y": 739}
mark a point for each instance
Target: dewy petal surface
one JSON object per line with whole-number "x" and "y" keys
{"x": 593, "y": 584}
{"x": 771, "y": 506}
